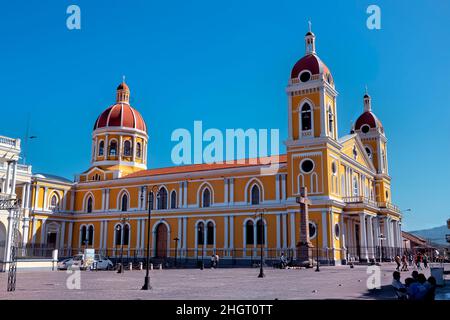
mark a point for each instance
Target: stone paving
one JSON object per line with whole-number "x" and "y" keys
{"x": 340, "y": 282}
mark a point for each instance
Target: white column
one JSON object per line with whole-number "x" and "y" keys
{"x": 14, "y": 178}
{"x": 107, "y": 200}
{"x": 28, "y": 196}
{"x": 292, "y": 225}
{"x": 225, "y": 185}
{"x": 43, "y": 238}
{"x": 225, "y": 232}
{"x": 134, "y": 149}
{"x": 231, "y": 191}
{"x": 324, "y": 229}
{"x": 363, "y": 236}
{"x": 277, "y": 187}
{"x": 185, "y": 202}
{"x": 231, "y": 232}
{"x": 179, "y": 236}
{"x": 70, "y": 235}
{"x": 9, "y": 236}
{"x": 370, "y": 237}
{"x": 62, "y": 235}
{"x": 25, "y": 227}
{"x": 44, "y": 205}
{"x": 283, "y": 186}
{"x": 323, "y": 114}
{"x": 8, "y": 178}
{"x": 184, "y": 236}
{"x": 33, "y": 231}
{"x": 343, "y": 231}
{"x": 284, "y": 223}
{"x": 180, "y": 195}
{"x": 278, "y": 232}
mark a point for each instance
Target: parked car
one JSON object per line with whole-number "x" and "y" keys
{"x": 99, "y": 262}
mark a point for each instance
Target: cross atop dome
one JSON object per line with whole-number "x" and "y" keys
{"x": 310, "y": 40}
{"x": 123, "y": 92}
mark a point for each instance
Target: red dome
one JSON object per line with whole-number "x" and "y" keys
{"x": 368, "y": 118}
{"x": 121, "y": 115}
{"x": 310, "y": 62}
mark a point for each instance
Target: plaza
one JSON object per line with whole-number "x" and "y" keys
{"x": 338, "y": 282}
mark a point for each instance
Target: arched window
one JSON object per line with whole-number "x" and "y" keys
{"x": 255, "y": 195}
{"x": 83, "y": 235}
{"x": 200, "y": 233}
{"x": 118, "y": 235}
{"x": 126, "y": 234}
{"x": 330, "y": 121}
{"x": 113, "y": 148}
{"x": 138, "y": 150}
{"x": 369, "y": 152}
{"x": 101, "y": 148}
{"x": 89, "y": 205}
{"x": 54, "y": 202}
{"x": 124, "y": 202}
{"x": 173, "y": 199}
{"x": 306, "y": 117}
{"x": 90, "y": 235}
{"x": 127, "y": 148}
{"x": 260, "y": 232}
{"x": 206, "y": 198}
{"x": 210, "y": 233}
{"x": 249, "y": 233}
{"x": 162, "y": 199}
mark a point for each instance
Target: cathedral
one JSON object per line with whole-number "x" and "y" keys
{"x": 229, "y": 209}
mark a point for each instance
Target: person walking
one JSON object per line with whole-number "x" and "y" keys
{"x": 216, "y": 260}
{"x": 425, "y": 261}
{"x": 404, "y": 263}
{"x": 410, "y": 258}
{"x": 397, "y": 261}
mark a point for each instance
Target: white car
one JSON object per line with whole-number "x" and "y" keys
{"x": 78, "y": 261}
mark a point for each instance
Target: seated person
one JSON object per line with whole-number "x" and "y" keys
{"x": 400, "y": 289}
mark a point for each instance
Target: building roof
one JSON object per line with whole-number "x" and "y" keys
{"x": 121, "y": 115}
{"x": 252, "y": 162}
{"x": 369, "y": 118}
{"x": 413, "y": 238}
{"x": 52, "y": 177}
{"x": 310, "y": 62}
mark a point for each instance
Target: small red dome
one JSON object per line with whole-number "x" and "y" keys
{"x": 368, "y": 118}
{"x": 121, "y": 115}
{"x": 310, "y": 62}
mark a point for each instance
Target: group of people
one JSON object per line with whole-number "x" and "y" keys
{"x": 416, "y": 287}
{"x": 408, "y": 259}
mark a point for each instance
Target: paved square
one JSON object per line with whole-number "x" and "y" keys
{"x": 339, "y": 282}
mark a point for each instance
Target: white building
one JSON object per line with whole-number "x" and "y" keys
{"x": 15, "y": 183}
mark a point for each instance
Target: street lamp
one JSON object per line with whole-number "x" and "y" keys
{"x": 317, "y": 250}
{"x": 176, "y": 247}
{"x": 120, "y": 227}
{"x": 381, "y": 238}
{"x": 261, "y": 214}
{"x": 146, "y": 285}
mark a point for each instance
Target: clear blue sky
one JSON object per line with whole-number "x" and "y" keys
{"x": 227, "y": 63}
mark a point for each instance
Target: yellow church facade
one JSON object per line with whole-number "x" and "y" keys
{"x": 231, "y": 209}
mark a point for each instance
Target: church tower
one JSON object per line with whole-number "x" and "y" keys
{"x": 119, "y": 140}
{"x": 371, "y": 132}
{"x": 312, "y": 116}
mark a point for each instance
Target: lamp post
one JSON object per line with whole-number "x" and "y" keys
{"x": 146, "y": 285}
{"x": 123, "y": 220}
{"x": 261, "y": 212}
{"x": 317, "y": 250}
{"x": 176, "y": 249}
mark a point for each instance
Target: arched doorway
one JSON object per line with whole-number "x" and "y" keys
{"x": 161, "y": 241}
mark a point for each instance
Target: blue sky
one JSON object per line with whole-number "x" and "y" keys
{"x": 227, "y": 63}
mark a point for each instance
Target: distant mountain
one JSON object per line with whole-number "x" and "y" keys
{"x": 435, "y": 235}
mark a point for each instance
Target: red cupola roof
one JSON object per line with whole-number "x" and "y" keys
{"x": 368, "y": 118}
{"x": 121, "y": 114}
{"x": 310, "y": 62}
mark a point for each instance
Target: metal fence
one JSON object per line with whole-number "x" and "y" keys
{"x": 236, "y": 256}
